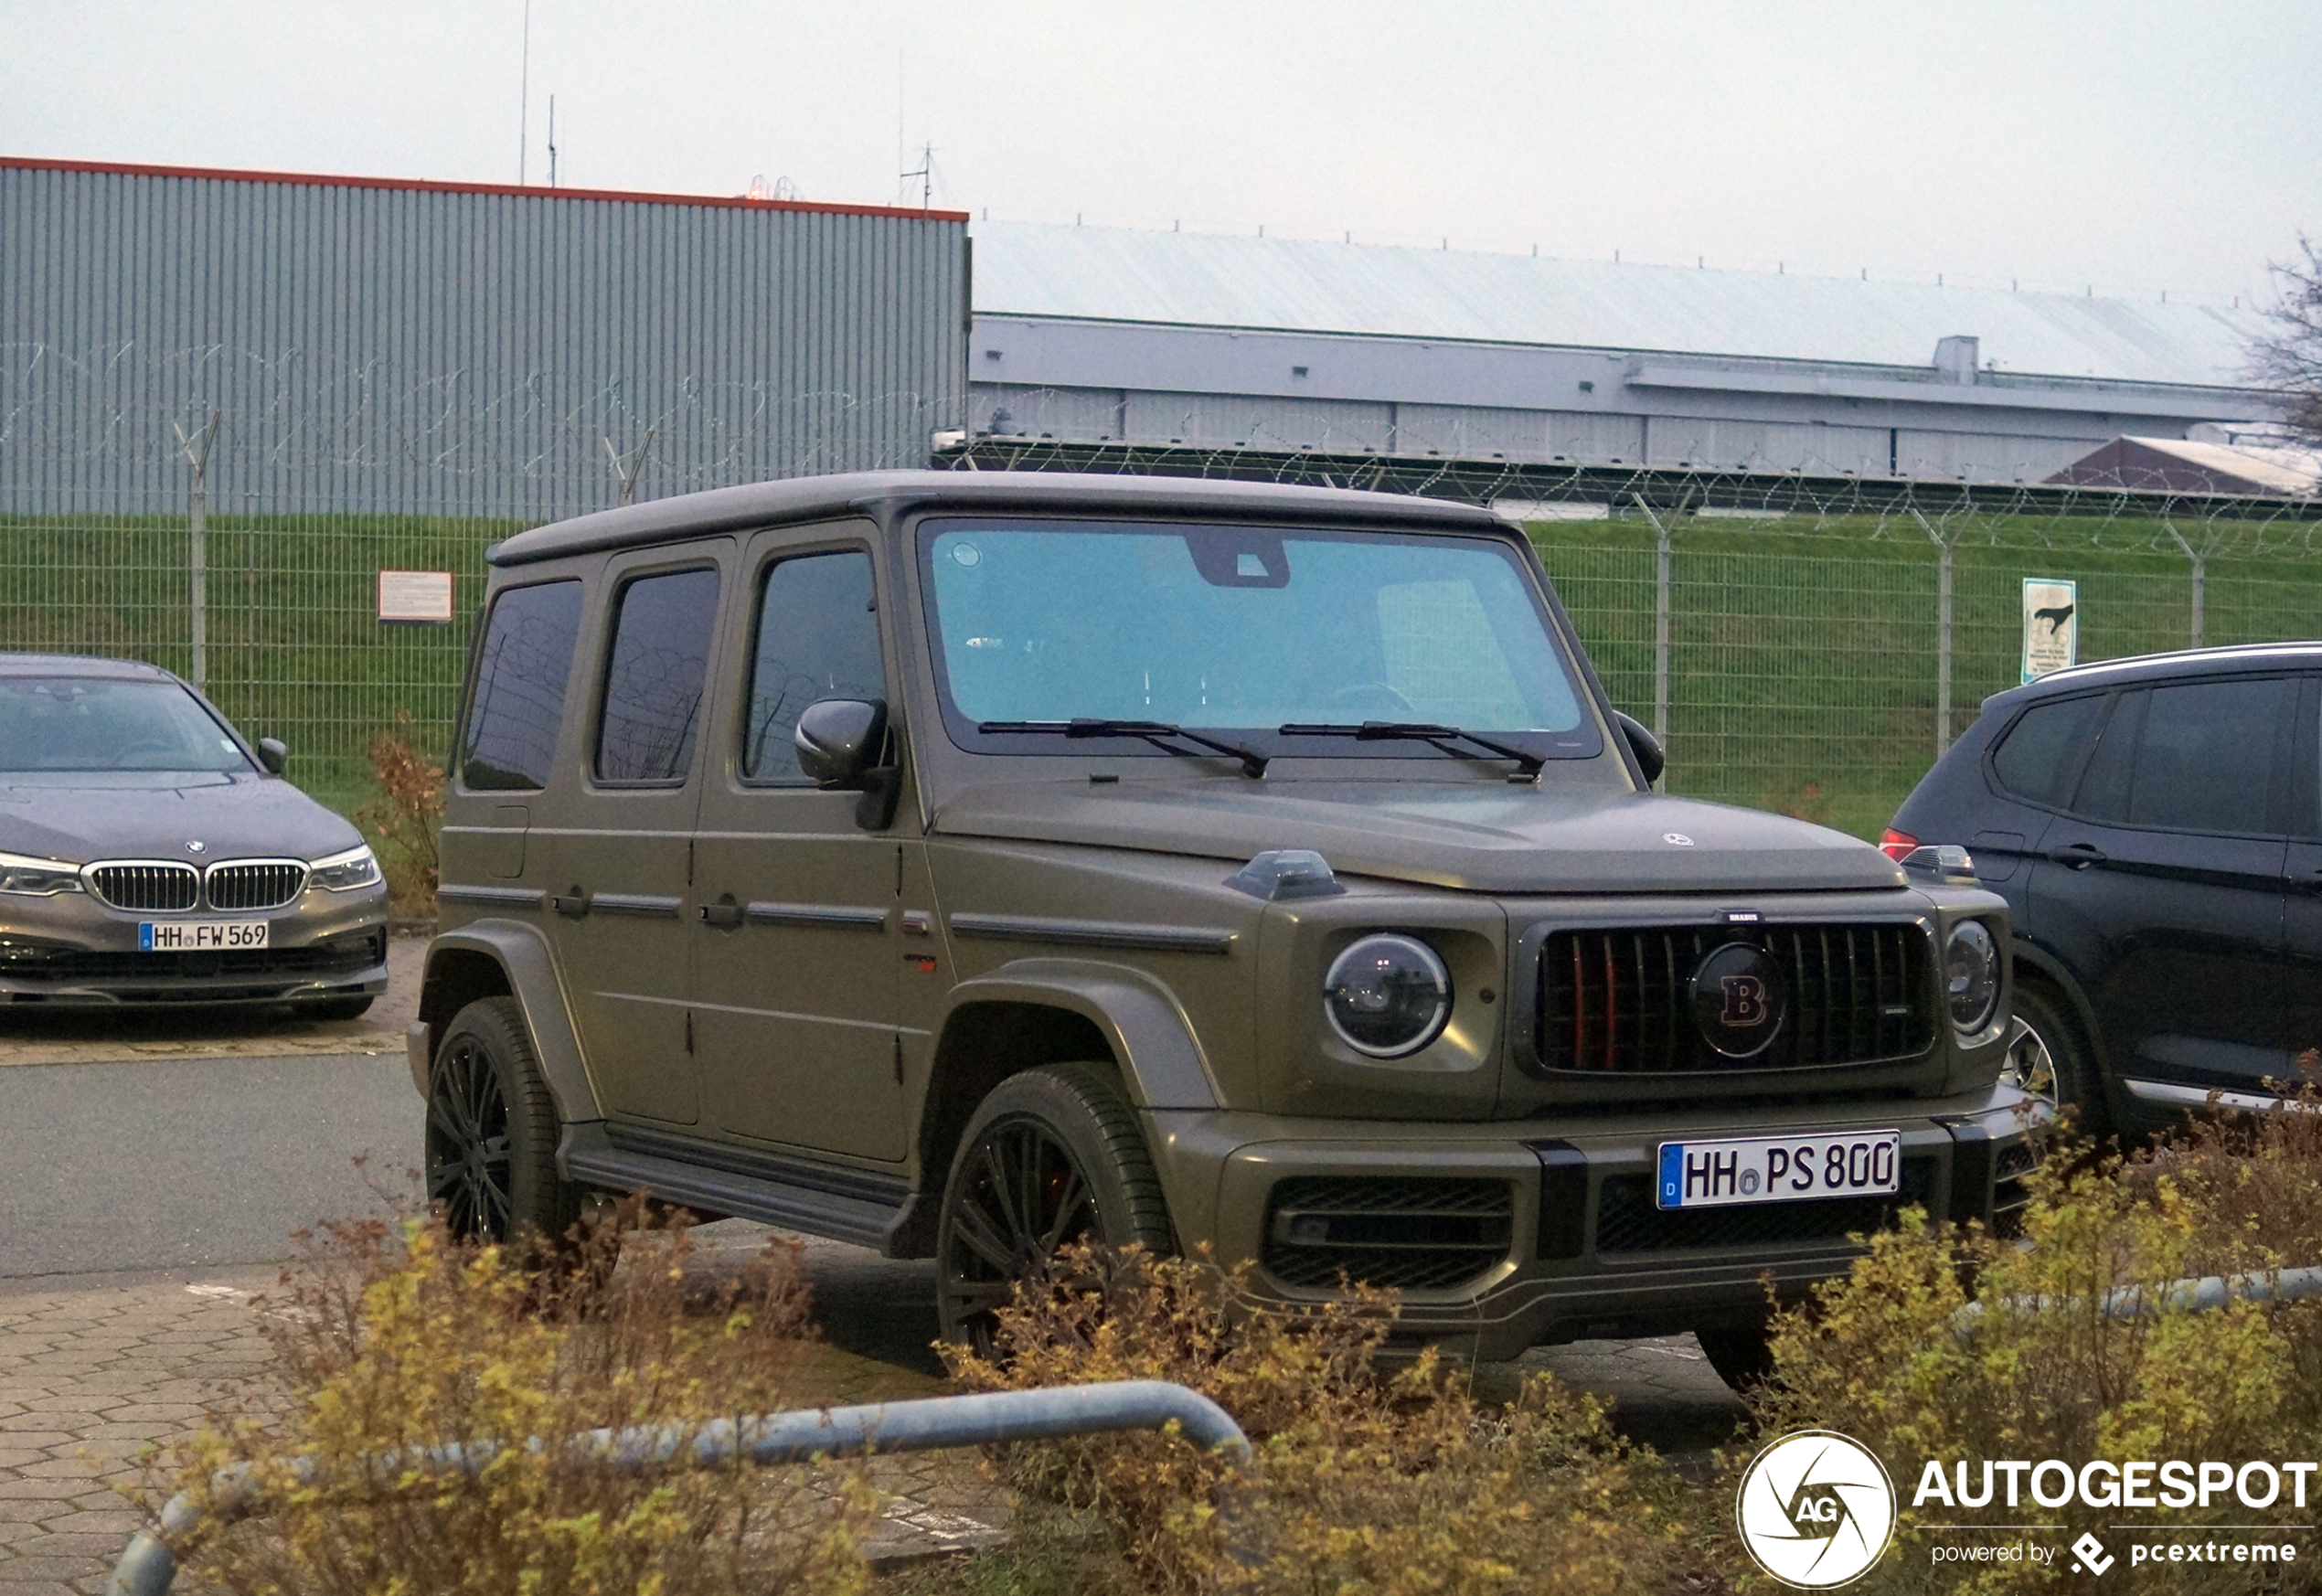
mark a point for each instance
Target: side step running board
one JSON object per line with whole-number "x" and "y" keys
{"x": 589, "y": 1157}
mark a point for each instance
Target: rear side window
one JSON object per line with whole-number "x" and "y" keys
{"x": 653, "y": 681}
{"x": 817, "y": 638}
{"x": 2037, "y": 757}
{"x": 2205, "y": 757}
{"x": 521, "y": 673}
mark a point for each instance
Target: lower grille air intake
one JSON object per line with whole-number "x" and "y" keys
{"x": 1414, "y": 1233}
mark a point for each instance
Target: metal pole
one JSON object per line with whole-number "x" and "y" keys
{"x": 1943, "y": 633}
{"x": 1660, "y": 620}
{"x": 196, "y": 451}
{"x": 2200, "y": 575}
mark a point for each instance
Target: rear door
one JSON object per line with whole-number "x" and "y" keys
{"x": 2302, "y": 896}
{"x": 617, "y": 871}
{"x": 797, "y": 945}
{"x": 2162, "y": 884}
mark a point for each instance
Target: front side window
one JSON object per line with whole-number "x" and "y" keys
{"x": 1248, "y": 629}
{"x": 652, "y": 680}
{"x": 521, "y": 673}
{"x": 92, "y": 723}
{"x": 817, "y": 638}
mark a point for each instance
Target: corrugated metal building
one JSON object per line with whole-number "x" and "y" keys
{"x": 1115, "y": 334}
{"x": 425, "y": 346}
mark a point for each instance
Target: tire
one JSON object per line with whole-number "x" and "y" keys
{"x": 336, "y": 1008}
{"x": 2049, "y": 1055}
{"x": 1739, "y": 1354}
{"x": 1051, "y": 1156}
{"x": 491, "y": 1138}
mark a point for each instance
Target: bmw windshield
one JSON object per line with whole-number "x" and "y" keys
{"x": 94, "y": 723}
{"x": 1293, "y": 640}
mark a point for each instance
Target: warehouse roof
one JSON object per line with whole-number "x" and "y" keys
{"x": 1125, "y": 274}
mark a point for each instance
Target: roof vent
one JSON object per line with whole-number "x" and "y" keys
{"x": 1956, "y": 357}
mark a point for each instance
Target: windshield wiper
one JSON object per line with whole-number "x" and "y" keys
{"x": 1254, "y": 763}
{"x": 1528, "y": 765}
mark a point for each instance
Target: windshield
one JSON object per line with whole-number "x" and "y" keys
{"x": 1250, "y": 629}
{"x": 87, "y": 723}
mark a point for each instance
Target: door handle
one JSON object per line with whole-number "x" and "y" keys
{"x": 728, "y": 913}
{"x": 574, "y": 903}
{"x": 2079, "y": 856}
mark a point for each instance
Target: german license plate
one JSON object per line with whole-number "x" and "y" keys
{"x": 1777, "y": 1169}
{"x": 200, "y": 936}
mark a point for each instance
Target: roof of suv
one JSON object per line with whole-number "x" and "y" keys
{"x": 2186, "y": 661}
{"x": 808, "y": 497}
{"x": 78, "y": 664}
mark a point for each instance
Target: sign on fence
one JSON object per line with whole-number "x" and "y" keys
{"x": 421, "y": 598}
{"x": 2051, "y": 626}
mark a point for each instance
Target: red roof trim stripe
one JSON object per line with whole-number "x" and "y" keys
{"x": 316, "y": 180}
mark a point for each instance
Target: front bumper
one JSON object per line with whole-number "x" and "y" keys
{"x": 63, "y": 953}
{"x": 1508, "y": 1236}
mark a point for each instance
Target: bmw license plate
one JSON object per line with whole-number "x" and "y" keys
{"x": 1777, "y": 1169}
{"x": 200, "y": 936}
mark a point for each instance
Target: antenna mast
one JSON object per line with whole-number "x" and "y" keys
{"x": 552, "y": 141}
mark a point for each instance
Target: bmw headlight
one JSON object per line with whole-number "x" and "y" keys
{"x": 347, "y": 871}
{"x": 1971, "y": 974}
{"x": 37, "y": 878}
{"x": 1387, "y": 996}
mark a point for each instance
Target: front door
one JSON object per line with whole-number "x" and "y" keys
{"x": 797, "y": 951}
{"x": 2164, "y": 886}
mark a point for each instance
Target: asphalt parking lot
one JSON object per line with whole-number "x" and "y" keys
{"x": 151, "y": 1170}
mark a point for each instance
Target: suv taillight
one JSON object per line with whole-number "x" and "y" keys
{"x": 1896, "y": 844}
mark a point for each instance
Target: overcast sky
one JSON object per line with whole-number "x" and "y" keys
{"x": 2132, "y": 145}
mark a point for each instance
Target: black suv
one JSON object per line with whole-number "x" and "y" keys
{"x": 2153, "y": 825}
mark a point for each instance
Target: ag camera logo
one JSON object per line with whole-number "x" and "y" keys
{"x": 1815, "y": 1509}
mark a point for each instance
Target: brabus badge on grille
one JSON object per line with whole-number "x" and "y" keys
{"x": 1739, "y": 999}
{"x": 196, "y": 847}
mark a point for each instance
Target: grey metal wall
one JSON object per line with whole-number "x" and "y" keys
{"x": 406, "y": 348}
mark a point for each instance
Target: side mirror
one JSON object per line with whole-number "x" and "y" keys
{"x": 1643, "y": 744}
{"x": 838, "y": 737}
{"x": 274, "y": 753}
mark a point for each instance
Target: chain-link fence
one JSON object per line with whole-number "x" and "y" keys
{"x": 1805, "y": 644}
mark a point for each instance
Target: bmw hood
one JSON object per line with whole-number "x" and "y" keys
{"x": 85, "y": 815}
{"x": 1496, "y": 838}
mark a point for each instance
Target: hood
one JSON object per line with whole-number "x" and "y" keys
{"x": 136, "y": 814}
{"x": 1478, "y": 838}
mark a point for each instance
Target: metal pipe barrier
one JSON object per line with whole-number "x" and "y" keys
{"x": 928, "y": 1424}
{"x": 2180, "y": 1296}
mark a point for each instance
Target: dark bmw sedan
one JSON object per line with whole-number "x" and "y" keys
{"x": 150, "y": 856}
{"x": 2153, "y": 826}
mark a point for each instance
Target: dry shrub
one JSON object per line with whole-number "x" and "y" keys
{"x": 1365, "y": 1481}
{"x": 392, "y": 1339}
{"x": 404, "y": 820}
{"x": 1954, "y": 1345}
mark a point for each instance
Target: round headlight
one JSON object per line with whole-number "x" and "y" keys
{"x": 1971, "y": 974}
{"x": 1387, "y": 996}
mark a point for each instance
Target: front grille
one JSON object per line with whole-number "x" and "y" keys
{"x": 159, "y": 886}
{"x": 254, "y": 884}
{"x": 341, "y": 955}
{"x": 1627, "y": 1221}
{"x": 1418, "y": 1233}
{"x": 1618, "y": 1002}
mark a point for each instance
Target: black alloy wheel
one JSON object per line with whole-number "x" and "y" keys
{"x": 490, "y": 1143}
{"x": 1052, "y": 1156}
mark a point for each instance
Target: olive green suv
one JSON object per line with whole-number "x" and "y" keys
{"x": 954, "y": 863}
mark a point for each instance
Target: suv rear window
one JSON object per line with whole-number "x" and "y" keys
{"x": 653, "y": 682}
{"x": 2037, "y": 754}
{"x": 520, "y": 676}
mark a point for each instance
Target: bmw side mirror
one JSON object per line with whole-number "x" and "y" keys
{"x": 274, "y": 753}
{"x": 1643, "y": 744}
{"x": 838, "y": 737}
